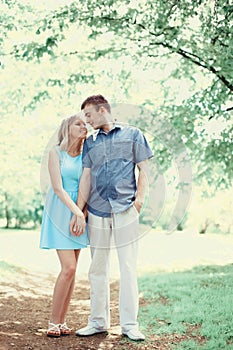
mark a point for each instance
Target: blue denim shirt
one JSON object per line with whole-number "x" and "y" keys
{"x": 112, "y": 158}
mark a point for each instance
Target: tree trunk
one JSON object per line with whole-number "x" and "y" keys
{"x": 7, "y": 212}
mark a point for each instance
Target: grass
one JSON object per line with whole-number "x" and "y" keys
{"x": 196, "y": 306}
{"x": 14, "y": 230}
{"x": 5, "y": 267}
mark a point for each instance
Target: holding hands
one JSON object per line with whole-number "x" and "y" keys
{"x": 77, "y": 225}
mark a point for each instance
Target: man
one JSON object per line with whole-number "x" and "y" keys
{"x": 114, "y": 200}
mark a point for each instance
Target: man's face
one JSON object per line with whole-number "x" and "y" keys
{"x": 93, "y": 117}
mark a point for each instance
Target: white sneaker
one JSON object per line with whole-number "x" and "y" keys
{"x": 135, "y": 334}
{"x": 89, "y": 330}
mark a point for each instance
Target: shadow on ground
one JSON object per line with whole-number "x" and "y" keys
{"x": 25, "y": 303}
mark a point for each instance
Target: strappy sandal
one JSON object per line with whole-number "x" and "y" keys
{"x": 64, "y": 329}
{"x": 54, "y": 330}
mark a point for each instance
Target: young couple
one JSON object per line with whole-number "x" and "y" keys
{"x": 95, "y": 176}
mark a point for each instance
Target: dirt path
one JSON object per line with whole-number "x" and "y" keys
{"x": 24, "y": 314}
{"x": 25, "y": 302}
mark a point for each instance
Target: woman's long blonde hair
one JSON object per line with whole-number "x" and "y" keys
{"x": 63, "y": 133}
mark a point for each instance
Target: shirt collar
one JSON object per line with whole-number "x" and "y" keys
{"x": 100, "y": 131}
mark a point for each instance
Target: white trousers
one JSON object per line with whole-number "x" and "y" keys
{"x": 124, "y": 227}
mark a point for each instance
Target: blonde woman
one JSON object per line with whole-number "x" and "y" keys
{"x": 65, "y": 169}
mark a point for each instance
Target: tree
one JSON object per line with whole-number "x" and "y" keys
{"x": 182, "y": 49}
{"x": 195, "y": 37}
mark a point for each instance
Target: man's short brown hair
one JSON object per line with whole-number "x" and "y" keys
{"x": 97, "y": 101}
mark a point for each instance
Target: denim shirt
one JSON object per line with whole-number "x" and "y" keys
{"x": 112, "y": 158}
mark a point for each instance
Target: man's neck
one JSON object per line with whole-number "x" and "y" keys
{"x": 107, "y": 127}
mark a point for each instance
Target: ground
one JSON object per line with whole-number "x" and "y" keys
{"x": 25, "y": 294}
{"x": 25, "y": 315}
{"x": 25, "y": 302}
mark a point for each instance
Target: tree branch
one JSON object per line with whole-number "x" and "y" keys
{"x": 199, "y": 63}
{"x": 228, "y": 109}
{"x": 185, "y": 54}
{"x": 224, "y": 110}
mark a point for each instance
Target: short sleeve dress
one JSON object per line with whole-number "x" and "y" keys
{"x": 55, "y": 232}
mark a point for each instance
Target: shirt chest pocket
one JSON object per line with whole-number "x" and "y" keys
{"x": 125, "y": 150}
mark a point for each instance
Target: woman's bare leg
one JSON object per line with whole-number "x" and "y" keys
{"x": 67, "y": 301}
{"x": 63, "y": 284}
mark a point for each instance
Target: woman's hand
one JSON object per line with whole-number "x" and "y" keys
{"x": 77, "y": 225}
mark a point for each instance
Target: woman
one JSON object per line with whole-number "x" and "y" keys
{"x": 65, "y": 168}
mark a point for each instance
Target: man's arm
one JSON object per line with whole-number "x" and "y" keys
{"x": 142, "y": 184}
{"x": 76, "y": 228}
{"x": 84, "y": 188}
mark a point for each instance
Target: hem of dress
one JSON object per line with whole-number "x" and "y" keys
{"x": 73, "y": 248}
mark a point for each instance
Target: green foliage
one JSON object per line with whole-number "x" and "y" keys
{"x": 199, "y": 37}
{"x": 41, "y": 96}
{"x": 21, "y": 210}
{"x": 77, "y": 78}
{"x": 173, "y": 58}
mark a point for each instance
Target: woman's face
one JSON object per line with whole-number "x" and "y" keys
{"x": 78, "y": 129}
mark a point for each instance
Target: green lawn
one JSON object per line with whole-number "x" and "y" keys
{"x": 14, "y": 230}
{"x": 190, "y": 310}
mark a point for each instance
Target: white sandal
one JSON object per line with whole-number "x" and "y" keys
{"x": 64, "y": 329}
{"x": 54, "y": 330}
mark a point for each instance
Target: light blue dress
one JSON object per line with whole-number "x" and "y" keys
{"x": 56, "y": 216}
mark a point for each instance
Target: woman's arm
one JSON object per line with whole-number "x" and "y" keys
{"x": 83, "y": 195}
{"x": 56, "y": 181}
